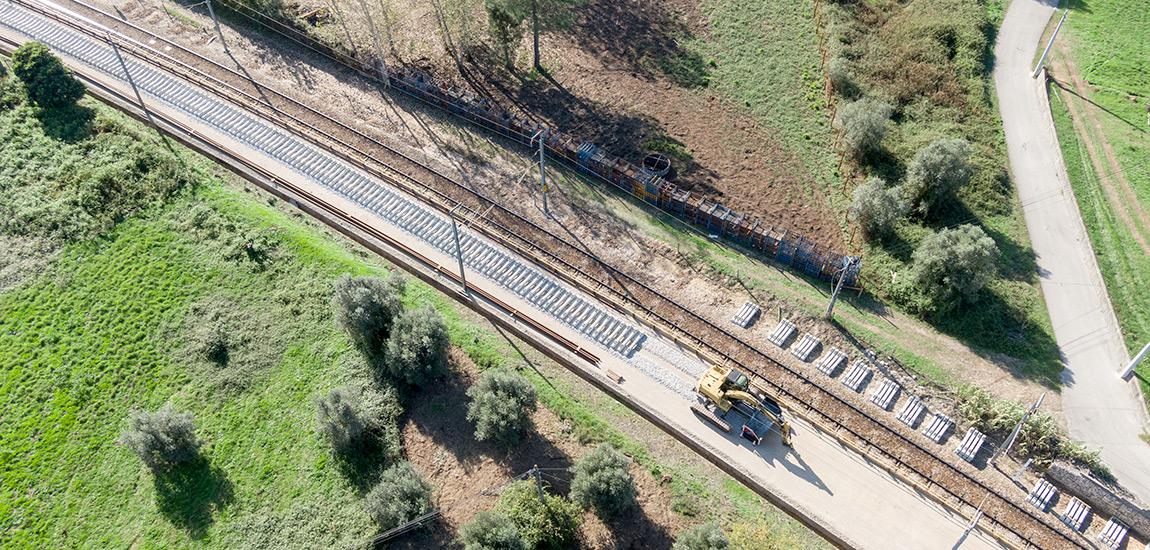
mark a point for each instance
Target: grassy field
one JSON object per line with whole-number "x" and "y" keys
{"x": 107, "y": 326}
{"x": 767, "y": 60}
{"x": 931, "y": 61}
{"x": 1108, "y": 44}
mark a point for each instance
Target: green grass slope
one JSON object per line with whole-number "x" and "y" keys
{"x": 1110, "y": 47}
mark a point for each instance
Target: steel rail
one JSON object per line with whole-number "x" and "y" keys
{"x": 495, "y": 230}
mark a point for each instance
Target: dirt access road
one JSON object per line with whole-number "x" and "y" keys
{"x": 1101, "y": 410}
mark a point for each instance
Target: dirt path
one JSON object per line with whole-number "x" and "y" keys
{"x": 1084, "y": 113}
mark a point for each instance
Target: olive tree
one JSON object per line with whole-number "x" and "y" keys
{"x": 417, "y": 347}
{"x": 876, "y": 207}
{"x": 400, "y": 496}
{"x": 491, "y": 531}
{"x": 163, "y": 439}
{"x": 863, "y": 124}
{"x": 47, "y": 82}
{"x": 341, "y": 419}
{"x": 552, "y": 522}
{"x": 838, "y": 72}
{"x": 602, "y": 481}
{"x": 501, "y": 405}
{"x": 366, "y": 308}
{"x": 952, "y": 266}
{"x": 937, "y": 172}
{"x": 705, "y": 536}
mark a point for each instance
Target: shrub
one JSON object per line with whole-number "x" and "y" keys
{"x": 876, "y": 207}
{"x": 603, "y": 482}
{"x": 937, "y": 172}
{"x": 838, "y": 72}
{"x": 952, "y": 266}
{"x": 705, "y": 536}
{"x": 506, "y": 23}
{"x": 501, "y": 405}
{"x": 215, "y": 344}
{"x": 552, "y": 523}
{"x": 162, "y": 439}
{"x": 491, "y": 531}
{"x": 366, "y": 308}
{"x": 400, "y": 496}
{"x": 341, "y": 419}
{"x": 417, "y": 347}
{"x": 1040, "y": 438}
{"x": 47, "y": 81}
{"x": 863, "y": 124}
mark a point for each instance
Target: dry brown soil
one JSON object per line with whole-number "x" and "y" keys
{"x": 604, "y": 86}
{"x": 467, "y": 474}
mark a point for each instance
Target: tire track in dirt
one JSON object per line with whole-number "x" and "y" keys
{"x": 1119, "y": 192}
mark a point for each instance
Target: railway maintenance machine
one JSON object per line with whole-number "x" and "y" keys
{"x": 725, "y": 390}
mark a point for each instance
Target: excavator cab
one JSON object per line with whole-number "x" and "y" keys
{"x": 727, "y": 389}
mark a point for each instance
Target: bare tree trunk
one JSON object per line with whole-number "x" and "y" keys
{"x": 535, "y": 31}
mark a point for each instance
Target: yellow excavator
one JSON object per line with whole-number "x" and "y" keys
{"x": 725, "y": 389}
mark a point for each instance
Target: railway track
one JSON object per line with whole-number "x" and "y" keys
{"x": 1009, "y": 520}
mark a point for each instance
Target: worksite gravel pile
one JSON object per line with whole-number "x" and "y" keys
{"x": 800, "y": 389}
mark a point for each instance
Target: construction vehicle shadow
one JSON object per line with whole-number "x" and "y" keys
{"x": 792, "y": 459}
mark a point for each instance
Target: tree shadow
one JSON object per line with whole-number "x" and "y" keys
{"x": 189, "y": 495}
{"x": 440, "y": 414}
{"x": 633, "y": 528}
{"x": 70, "y": 123}
{"x": 362, "y": 464}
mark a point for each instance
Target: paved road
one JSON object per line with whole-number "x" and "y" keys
{"x": 1100, "y": 409}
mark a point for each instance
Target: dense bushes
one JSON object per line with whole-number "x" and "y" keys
{"x": 417, "y": 347}
{"x": 603, "y": 482}
{"x": 1040, "y": 438}
{"x": 951, "y": 267}
{"x": 501, "y": 406}
{"x": 341, "y": 419}
{"x": 876, "y": 207}
{"x": 937, "y": 172}
{"x": 47, "y": 82}
{"x": 400, "y": 496}
{"x": 863, "y": 125}
{"x": 706, "y": 536}
{"x": 552, "y": 523}
{"x": 76, "y": 183}
{"x": 491, "y": 531}
{"x": 366, "y": 308}
{"x": 162, "y": 439}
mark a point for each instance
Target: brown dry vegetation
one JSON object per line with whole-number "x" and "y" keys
{"x": 626, "y": 75}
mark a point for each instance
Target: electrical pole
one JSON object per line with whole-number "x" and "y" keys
{"x": 343, "y": 23}
{"x": 1129, "y": 370}
{"x": 1018, "y": 428}
{"x": 1042, "y": 60}
{"x": 538, "y": 483}
{"x": 541, "y": 135}
{"x": 848, "y": 262}
{"x": 458, "y": 250}
{"x": 131, "y": 81}
{"x": 216, "y": 22}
